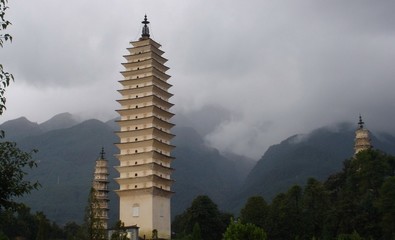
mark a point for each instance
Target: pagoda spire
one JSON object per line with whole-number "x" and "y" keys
{"x": 102, "y": 153}
{"x": 145, "y": 33}
{"x": 360, "y": 123}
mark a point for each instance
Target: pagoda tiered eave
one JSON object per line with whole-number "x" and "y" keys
{"x": 140, "y": 64}
{"x": 151, "y": 119}
{"x": 144, "y": 89}
{"x": 150, "y": 154}
{"x": 148, "y": 71}
{"x": 140, "y": 167}
{"x": 155, "y": 110}
{"x": 145, "y": 55}
{"x": 145, "y": 99}
{"x": 137, "y": 51}
{"x": 145, "y": 131}
{"x": 150, "y": 190}
{"x": 146, "y": 42}
{"x": 143, "y": 179}
{"x": 139, "y": 144}
{"x": 144, "y": 80}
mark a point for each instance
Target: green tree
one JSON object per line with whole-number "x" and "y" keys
{"x": 356, "y": 203}
{"x": 5, "y": 77}
{"x": 293, "y": 212}
{"x": 196, "y": 232}
{"x": 21, "y": 223}
{"x": 18, "y": 223}
{"x": 354, "y": 195}
{"x": 13, "y": 166}
{"x": 342, "y": 203}
{"x": 255, "y": 211}
{"x": 56, "y": 232}
{"x": 386, "y": 206}
{"x": 205, "y": 212}
{"x": 248, "y": 231}
{"x": 285, "y": 214}
{"x": 365, "y": 175}
{"x": 276, "y": 226}
{"x": 43, "y": 226}
{"x": 93, "y": 226}
{"x": 351, "y": 236}
{"x": 315, "y": 207}
{"x": 73, "y": 231}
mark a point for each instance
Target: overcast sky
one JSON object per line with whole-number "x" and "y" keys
{"x": 278, "y": 67}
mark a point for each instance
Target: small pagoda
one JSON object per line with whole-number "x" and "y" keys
{"x": 100, "y": 184}
{"x": 362, "y": 139}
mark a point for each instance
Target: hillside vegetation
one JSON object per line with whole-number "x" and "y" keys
{"x": 356, "y": 203}
{"x": 67, "y": 150}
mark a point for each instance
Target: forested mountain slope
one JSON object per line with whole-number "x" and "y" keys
{"x": 294, "y": 160}
{"x": 66, "y": 158}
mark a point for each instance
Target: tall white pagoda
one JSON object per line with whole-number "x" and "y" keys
{"x": 144, "y": 140}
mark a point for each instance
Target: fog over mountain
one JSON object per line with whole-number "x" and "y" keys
{"x": 273, "y": 68}
{"x": 68, "y": 150}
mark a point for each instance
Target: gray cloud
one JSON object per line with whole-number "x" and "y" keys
{"x": 277, "y": 67}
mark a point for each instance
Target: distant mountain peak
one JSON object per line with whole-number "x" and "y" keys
{"x": 17, "y": 120}
{"x": 59, "y": 121}
{"x": 19, "y": 128}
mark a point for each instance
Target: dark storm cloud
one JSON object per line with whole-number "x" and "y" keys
{"x": 277, "y": 67}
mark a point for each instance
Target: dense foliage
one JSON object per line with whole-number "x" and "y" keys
{"x": 255, "y": 208}
{"x": 22, "y": 224}
{"x": 238, "y": 230}
{"x": 93, "y": 226}
{"x": 203, "y": 216}
{"x": 356, "y": 203}
{"x": 25, "y": 225}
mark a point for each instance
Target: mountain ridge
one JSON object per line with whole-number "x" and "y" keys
{"x": 66, "y": 159}
{"x": 299, "y": 157}
{"x": 59, "y": 121}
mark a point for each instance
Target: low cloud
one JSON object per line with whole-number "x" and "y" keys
{"x": 278, "y": 68}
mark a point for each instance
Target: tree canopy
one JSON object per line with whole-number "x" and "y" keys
{"x": 255, "y": 211}
{"x": 204, "y": 212}
{"x": 356, "y": 203}
{"x": 13, "y": 166}
{"x": 22, "y": 224}
{"x": 93, "y": 225}
{"x": 238, "y": 230}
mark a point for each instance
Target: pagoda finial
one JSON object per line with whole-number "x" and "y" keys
{"x": 360, "y": 123}
{"x": 102, "y": 153}
{"x": 145, "y": 33}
